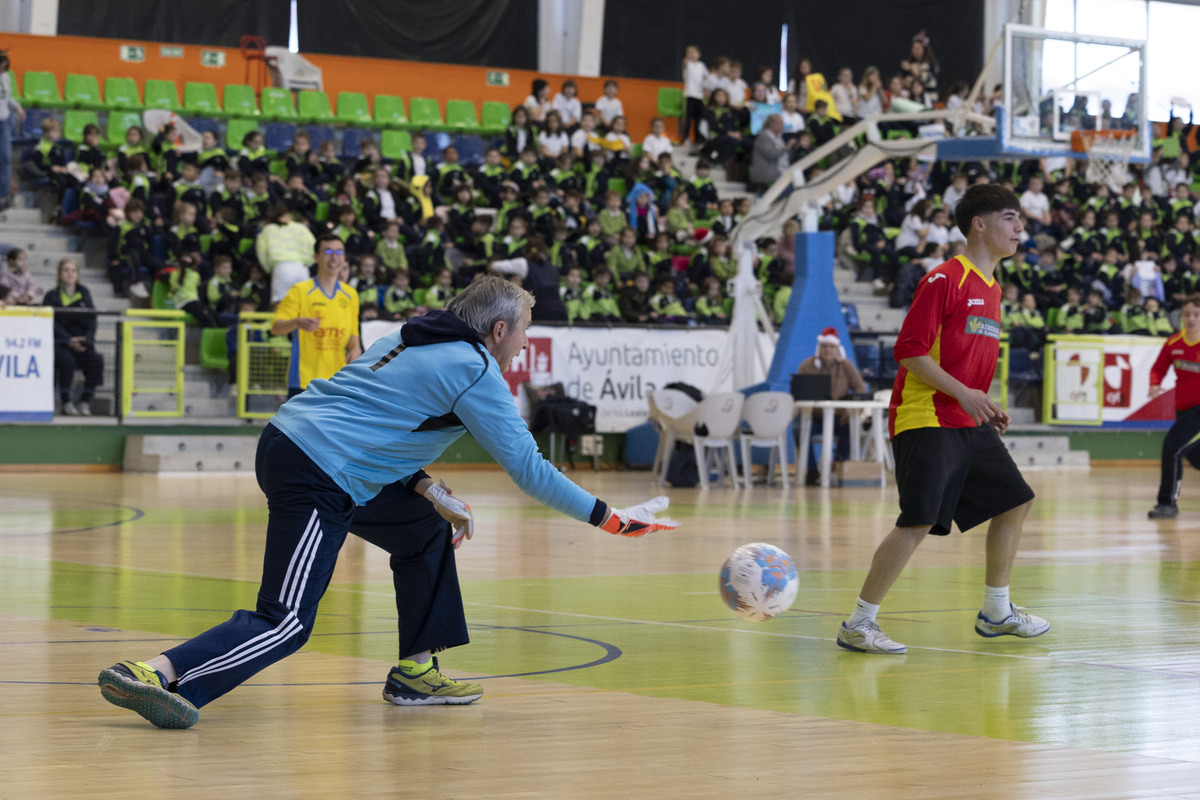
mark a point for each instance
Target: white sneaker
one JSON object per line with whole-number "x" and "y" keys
{"x": 1019, "y": 622}
{"x": 866, "y": 637}
{"x": 137, "y": 289}
{"x": 85, "y": 409}
{"x": 70, "y": 409}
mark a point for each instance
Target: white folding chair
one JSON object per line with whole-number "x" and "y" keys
{"x": 670, "y": 414}
{"x": 715, "y": 424}
{"x": 869, "y": 437}
{"x": 768, "y": 414}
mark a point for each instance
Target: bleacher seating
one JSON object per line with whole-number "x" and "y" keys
{"x": 237, "y": 130}
{"x": 121, "y": 93}
{"x": 238, "y": 101}
{"x": 670, "y": 102}
{"x": 496, "y": 117}
{"x": 162, "y": 94}
{"x": 200, "y": 99}
{"x": 389, "y": 111}
{"x": 118, "y": 123}
{"x": 314, "y": 107}
{"x": 460, "y": 116}
{"x": 394, "y": 143}
{"x": 82, "y": 91}
{"x": 352, "y": 109}
{"x": 278, "y": 136}
{"x": 276, "y": 104}
{"x": 424, "y": 113}
{"x": 40, "y": 90}
{"x": 75, "y": 120}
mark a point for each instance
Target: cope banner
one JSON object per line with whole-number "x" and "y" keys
{"x": 26, "y": 365}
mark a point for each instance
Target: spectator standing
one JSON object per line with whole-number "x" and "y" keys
{"x": 870, "y": 93}
{"x": 74, "y": 340}
{"x": 10, "y": 110}
{"x": 694, "y": 75}
{"x": 567, "y": 104}
{"x": 609, "y": 106}
{"x": 656, "y": 142}
{"x": 922, "y": 66}
{"x": 538, "y": 101}
{"x": 845, "y": 96}
{"x": 283, "y": 249}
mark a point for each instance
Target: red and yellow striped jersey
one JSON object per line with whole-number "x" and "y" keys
{"x": 955, "y": 318}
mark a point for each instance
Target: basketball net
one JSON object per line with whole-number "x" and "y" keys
{"x": 1108, "y": 154}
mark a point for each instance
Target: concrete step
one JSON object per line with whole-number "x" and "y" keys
{"x": 882, "y": 319}
{"x": 1070, "y": 460}
{"x": 190, "y": 453}
{"x": 43, "y": 264}
{"x": 35, "y": 241}
{"x": 1023, "y": 415}
{"x": 21, "y": 216}
{"x": 1035, "y": 445}
{"x": 209, "y": 406}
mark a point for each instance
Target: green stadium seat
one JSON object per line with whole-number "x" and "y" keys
{"x": 393, "y": 143}
{"x": 237, "y": 130}
{"x": 162, "y": 94}
{"x": 75, "y": 121}
{"x": 40, "y": 89}
{"x": 314, "y": 107}
{"x": 617, "y": 185}
{"x": 670, "y": 102}
{"x": 118, "y": 123}
{"x": 389, "y": 111}
{"x": 199, "y": 100}
{"x": 82, "y": 91}
{"x": 121, "y": 93}
{"x": 425, "y": 114}
{"x": 214, "y": 352}
{"x": 352, "y": 109}
{"x": 239, "y": 101}
{"x": 460, "y": 116}
{"x": 276, "y": 104}
{"x": 496, "y": 117}
{"x": 160, "y": 295}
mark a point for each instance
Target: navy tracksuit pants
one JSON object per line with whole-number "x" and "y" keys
{"x": 308, "y": 519}
{"x": 1181, "y": 442}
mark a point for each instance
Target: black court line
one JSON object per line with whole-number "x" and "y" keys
{"x": 137, "y": 514}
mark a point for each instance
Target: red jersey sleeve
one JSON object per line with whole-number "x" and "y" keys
{"x": 1158, "y": 372}
{"x": 924, "y": 319}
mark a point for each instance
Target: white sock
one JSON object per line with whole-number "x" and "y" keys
{"x": 863, "y": 612}
{"x": 996, "y": 605}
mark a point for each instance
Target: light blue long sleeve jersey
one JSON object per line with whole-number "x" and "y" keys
{"x": 397, "y": 408}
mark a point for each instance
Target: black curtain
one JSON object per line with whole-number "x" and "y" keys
{"x": 220, "y": 23}
{"x": 647, "y": 40}
{"x": 500, "y": 33}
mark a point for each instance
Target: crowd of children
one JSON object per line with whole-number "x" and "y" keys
{"x": 629, "y": 237}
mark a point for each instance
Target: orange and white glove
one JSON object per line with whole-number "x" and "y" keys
{"x": 453, "y": 510}
{"x": 640, "y": 519}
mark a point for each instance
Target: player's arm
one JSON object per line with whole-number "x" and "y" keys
{"x": 287, "y": 316}
{"x": 353, "y": 349}
{"x": 978, "y": 405}
{"x": 1158, "y": 372}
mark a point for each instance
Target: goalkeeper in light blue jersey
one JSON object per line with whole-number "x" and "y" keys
{"x": 347, "y": 456}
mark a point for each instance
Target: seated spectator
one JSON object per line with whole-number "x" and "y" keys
{"x": 845, "y": 96}
{"x": 771, "y": 154}
{"x": 74, "y": 341}
{"x": 552, "y": 141}
{"x": 220, "y": 294}
{"x": 49, "y": 158}
{"x": 22, "y": 291}
{"x": 1159, "y": 322}
{"x": 184, "y": 285}
{"x": 830, "y": 359}
{"x": 538, "y": 101}
{"x": 666, "y": 305}
{"x": 396, "y": 300}
{"x": 821, "y": 125}
{"x": 634, "y": 300}
{"x": 539, "y": 277}
{"x": 442, "y": 291}
{"x": 599, "y": 302}
{"x": 870, "y": 93}
{"x": 626, "y": 259}
{"x": 567, "y": 104}
{"x": 710, "y": 305}
{"x": 571, "y": 293}
{"x": 617, "y": 142}
{"x": 1036, "y": 206}
{"x": 609, "y": 106}
{"x": 656, "y": 142}
{"x": 793, "y": 120}
{"x": 132, "y": 265}
{"x": 1095, "y": 314}
{"x": 722, "y": 130}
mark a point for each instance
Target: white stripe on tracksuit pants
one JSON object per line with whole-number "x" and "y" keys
{"x": 293, "y": 589}
{"x": 309, "y": 517}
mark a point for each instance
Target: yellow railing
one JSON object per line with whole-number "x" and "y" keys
{"x": 152, "y": 346}
{"x": 262, "y": 367}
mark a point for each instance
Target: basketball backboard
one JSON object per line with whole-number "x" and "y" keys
{"x": 1056, "y": 83}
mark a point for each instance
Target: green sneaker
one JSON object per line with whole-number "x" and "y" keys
{"x": 141, "y": 688}
{"x": 427, "y": 686}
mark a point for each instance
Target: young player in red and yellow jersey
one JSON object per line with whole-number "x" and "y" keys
{"x": 323, "y": 313}
{"x": 950, "y": 463}
{"x": 1181, "y": 351}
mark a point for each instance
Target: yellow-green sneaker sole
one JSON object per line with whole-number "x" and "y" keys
{"x": 159, "y": 707}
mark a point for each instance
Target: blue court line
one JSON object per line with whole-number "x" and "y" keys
{"x": 137, "y": 514}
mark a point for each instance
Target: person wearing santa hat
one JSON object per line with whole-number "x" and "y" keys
{"x": 830, "y": 359}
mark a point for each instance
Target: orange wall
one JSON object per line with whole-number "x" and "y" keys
{"x": 101, "y": 57}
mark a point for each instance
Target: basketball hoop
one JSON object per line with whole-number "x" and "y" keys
{"x": 1108, "y": 154}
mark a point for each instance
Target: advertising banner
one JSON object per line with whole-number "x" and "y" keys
{"x": 26, "y": 365}
{"x": 1106, "y": 380}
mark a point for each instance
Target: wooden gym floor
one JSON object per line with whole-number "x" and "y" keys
{"x": 610, "y": 666}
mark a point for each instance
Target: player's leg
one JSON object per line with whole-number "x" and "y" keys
{"x": 996, "y": 491}
{"x": 308, "y": 519}
{"x": 1181, "y": 440}
{"x": 929, "y": 475}
{"x": 429, "y": 609}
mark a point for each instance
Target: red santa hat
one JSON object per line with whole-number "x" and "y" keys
{"x": 830, "y": 336}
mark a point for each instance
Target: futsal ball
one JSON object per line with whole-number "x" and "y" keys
{"x": 759, "y": 581}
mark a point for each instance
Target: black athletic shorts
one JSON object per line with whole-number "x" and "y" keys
{"x": 964, "y": 475}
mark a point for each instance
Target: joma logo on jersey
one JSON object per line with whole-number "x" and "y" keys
{"x": 974, "y": 301}
{"x": 982, "y": 326}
